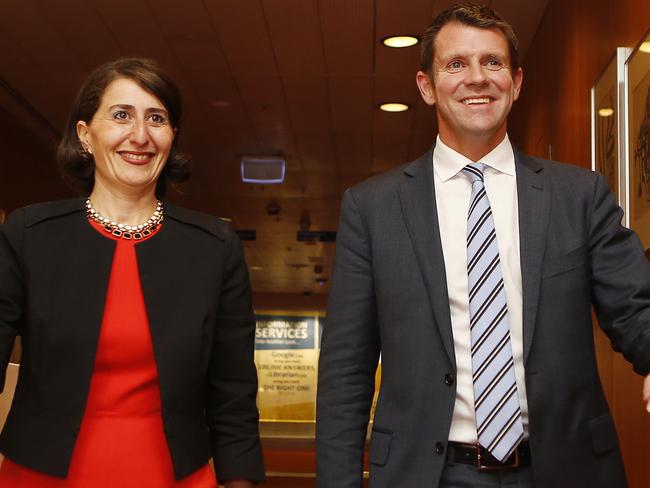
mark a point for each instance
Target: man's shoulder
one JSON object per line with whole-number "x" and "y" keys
{"x": 390, "y": 179}
{"x": 556, "y": 171}
{"x": 380, "y": 181}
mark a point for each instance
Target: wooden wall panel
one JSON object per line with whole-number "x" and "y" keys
{"x": 573, "y": 44}
{"x": 28, "y": 168}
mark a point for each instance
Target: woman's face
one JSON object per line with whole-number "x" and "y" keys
{"x": 130, "y": 137}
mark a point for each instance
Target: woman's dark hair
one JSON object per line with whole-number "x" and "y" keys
{"x": 76, "y": 165}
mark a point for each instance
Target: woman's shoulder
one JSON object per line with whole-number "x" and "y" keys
{"x": 201, "y": 221}
{"x": 39, "y": 212}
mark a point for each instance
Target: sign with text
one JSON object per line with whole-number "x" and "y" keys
{"x": 287, "y": 346}
{"x": 286, "y": 355}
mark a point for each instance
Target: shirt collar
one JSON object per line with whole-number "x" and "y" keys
{"x": 447, "y": 163}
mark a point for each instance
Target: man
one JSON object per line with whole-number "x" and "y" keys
{"x": 472, "y": 270}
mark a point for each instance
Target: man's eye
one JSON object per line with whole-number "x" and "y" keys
{"x": 455, "y": 66}
{"x": 494, "y": 64}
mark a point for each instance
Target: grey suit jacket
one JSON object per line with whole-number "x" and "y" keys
{"x": 389, "y": 295}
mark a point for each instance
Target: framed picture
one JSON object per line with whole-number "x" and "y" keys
{"x": 637, "y": 102}
{"x": 608, "y": 124}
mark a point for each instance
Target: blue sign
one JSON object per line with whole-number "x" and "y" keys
{"x": 284, "y": 332}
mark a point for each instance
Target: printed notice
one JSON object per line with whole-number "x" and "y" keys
{"x": 286, "y": 355}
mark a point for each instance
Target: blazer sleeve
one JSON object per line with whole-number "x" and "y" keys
{"x": 620, "y": 276}
{"x": 349, "y": 355}
{"x": 232, "y": 384}
{"x": 12, "y": 287}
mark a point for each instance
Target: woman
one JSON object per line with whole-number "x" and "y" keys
{"x": 135, "y": 315}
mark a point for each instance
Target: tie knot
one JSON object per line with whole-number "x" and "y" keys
{"x": 474, "y": 172}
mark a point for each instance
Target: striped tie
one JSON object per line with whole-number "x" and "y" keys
{"x": 498, "y": 416}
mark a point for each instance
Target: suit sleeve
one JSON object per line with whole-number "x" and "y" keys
{"x": 349, "y": 355}
{"x": 231, "y": 398}
{"x": 620, "y": 280}
{"x": 12, "y": 287}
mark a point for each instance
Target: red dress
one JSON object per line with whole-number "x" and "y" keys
{"x": 121, "y": 441}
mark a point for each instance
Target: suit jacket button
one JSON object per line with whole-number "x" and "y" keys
{"x": 449, "y": 379}
{"x": 439, "y": 448}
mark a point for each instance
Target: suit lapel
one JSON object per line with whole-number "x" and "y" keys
{"x": 534, "y": 206}
{"x": 418, "y": 202}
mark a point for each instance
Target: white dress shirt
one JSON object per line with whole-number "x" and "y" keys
{"x": 453, "y": 190}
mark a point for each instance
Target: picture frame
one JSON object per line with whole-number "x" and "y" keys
{"x": 637, "y": 142}
{"x": 608, "y": 124}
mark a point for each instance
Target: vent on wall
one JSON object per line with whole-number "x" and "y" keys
{"x": 262, "y": 169}
{"x": 316, "y": 236}
{"x": 246, "y": 234}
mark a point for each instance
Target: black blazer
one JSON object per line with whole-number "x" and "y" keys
{"x": 389, "y": 294}
{"x": 54, "y": 271}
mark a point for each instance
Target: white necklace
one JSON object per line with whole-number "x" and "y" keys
{"x": 135, "y": 232}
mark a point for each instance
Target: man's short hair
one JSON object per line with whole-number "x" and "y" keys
{"x": 471, "y": 14}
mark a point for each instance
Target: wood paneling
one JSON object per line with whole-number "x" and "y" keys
{"x": 298, "y": 78}
{"x": 573, "y": 44}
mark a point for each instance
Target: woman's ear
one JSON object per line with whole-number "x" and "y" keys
{"x": 82, "y": 135}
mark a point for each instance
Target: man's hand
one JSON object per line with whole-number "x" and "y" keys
{"x": 646, "y": 392}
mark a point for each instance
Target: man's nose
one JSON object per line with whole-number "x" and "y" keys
{"x": 476, "y": 73}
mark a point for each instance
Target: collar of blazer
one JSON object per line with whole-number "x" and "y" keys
{"x": 417, "y": 196}
{"x": 423, "y": 166}
{"x": 41, "y": 212}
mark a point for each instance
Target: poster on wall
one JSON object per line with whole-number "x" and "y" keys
{"x": 637, "y": 76}
{"x": 287, "y": 346}
{"x": 607, "y": 124}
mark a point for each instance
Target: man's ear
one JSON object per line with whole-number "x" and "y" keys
{"x": 425, "y": 86}
{"x": 517, "y": 79}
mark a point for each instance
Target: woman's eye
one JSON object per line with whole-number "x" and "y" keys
{"x": 158, "y": 119}
{"x": 120, "y": 115}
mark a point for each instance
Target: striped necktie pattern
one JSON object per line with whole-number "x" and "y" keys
{"x": 498, "y": 415}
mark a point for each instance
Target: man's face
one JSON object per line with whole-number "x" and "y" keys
{"x": 473, "y": 86}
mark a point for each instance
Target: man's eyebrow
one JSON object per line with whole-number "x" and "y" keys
{"x": 459, "y": 55}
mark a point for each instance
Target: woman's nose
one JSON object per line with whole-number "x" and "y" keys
{"x": 139, "y": 132}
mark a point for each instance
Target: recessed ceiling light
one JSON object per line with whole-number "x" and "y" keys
{"x": 394, "y": 107}
{"x": 400, "y": 41}
{"x": 606, "y": 112}
{"x": 645, "y": 47}
{"x": 256, "y": 268}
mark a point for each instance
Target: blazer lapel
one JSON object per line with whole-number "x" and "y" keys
{"x": 159, "y": 264}
{"x": 418, "y": 202}
{"x": 534, "y": 207}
